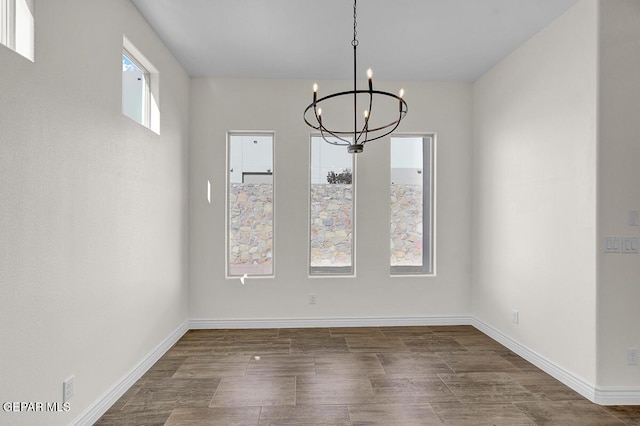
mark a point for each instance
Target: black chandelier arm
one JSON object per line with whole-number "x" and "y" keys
{"x": 395, "y": 125}
{"x": 359, "y": 91}
{"x": 323, "y": 129}
{"x": 335, "y": 133}
{"x": 343, "y": 142}
{"x": 403, "y": 111}
{"x": 365, "y": 128}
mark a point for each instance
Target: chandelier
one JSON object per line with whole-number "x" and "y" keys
{"x": 362, "y": 131}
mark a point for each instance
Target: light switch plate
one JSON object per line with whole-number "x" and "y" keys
{"x": 630, "y": 244}
{"x": 612, "y": 244}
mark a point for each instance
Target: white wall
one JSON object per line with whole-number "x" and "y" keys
{"x": 94, "y": 250}
{"x": 618, "y": 190}
{"x": 218, "y": 106}
{"x": 534, "y": 193}
{"x": 93, "y": 209}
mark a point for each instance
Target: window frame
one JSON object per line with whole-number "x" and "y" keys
{"x": 332, "y": 271}
{"x": 17, "y": 27}
{"x": 258, "y": 133}
{"x": 7, "y": 23}
{"x": 428, "y": 209}
{"x": 150, "y": 117}
{"x": 146, "y": 93}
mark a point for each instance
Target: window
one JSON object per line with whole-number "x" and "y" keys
{"x": 139, "y": 88}
{"x": 17, "y": 26}
{"x": 135, "y": 89}
{"x": 331, "y": 249}
{"x": 411, "y": 205}
{"x": 250, "y": 204}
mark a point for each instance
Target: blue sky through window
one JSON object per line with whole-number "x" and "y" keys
{"x": 127, "y": 65}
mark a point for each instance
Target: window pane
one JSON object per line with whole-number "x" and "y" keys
{"x": 410, "y": 205}
{"x": 250, "y": 205}
{"x": 135, "y": 86}
{"x": 331, "y": 208}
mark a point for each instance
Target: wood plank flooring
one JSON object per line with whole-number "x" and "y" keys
{"x": 452, "y": 375}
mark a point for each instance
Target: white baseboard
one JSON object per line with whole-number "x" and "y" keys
{"x": 98, "y": 408}
{"x": 609, "y": 395}
{"x": 598, "y": 395}
{"x": 196, "y": 324}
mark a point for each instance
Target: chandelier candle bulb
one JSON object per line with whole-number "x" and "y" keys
{"x": 370, "y": 76}
{"x": 366, "y": 114}
{"x": 315, "y": 91}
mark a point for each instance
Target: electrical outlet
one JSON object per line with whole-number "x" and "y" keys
{"x": 632, "y": 356}
{"x": 312, "y": 299}
{"x": 515, "y": 317}
{"x": 67, "y": 389}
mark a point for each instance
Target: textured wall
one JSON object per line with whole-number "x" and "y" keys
{"x": 618, "y": 191}
{"x": 441, "y": 108}
{"x": 534, "y": 231}
{"x": 93, "y": 209}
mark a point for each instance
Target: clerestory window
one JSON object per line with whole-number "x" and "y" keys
{"x": 140, "y": 87}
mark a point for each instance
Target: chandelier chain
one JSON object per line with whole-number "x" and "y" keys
{"x": 354, "y": 43}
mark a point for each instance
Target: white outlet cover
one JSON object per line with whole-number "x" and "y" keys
{"x": 67, "y": 389}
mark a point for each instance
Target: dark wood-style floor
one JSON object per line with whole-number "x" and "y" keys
{"x": 352, "y": 376}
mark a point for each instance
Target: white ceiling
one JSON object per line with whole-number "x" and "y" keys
{"x": 443, "y": 40}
